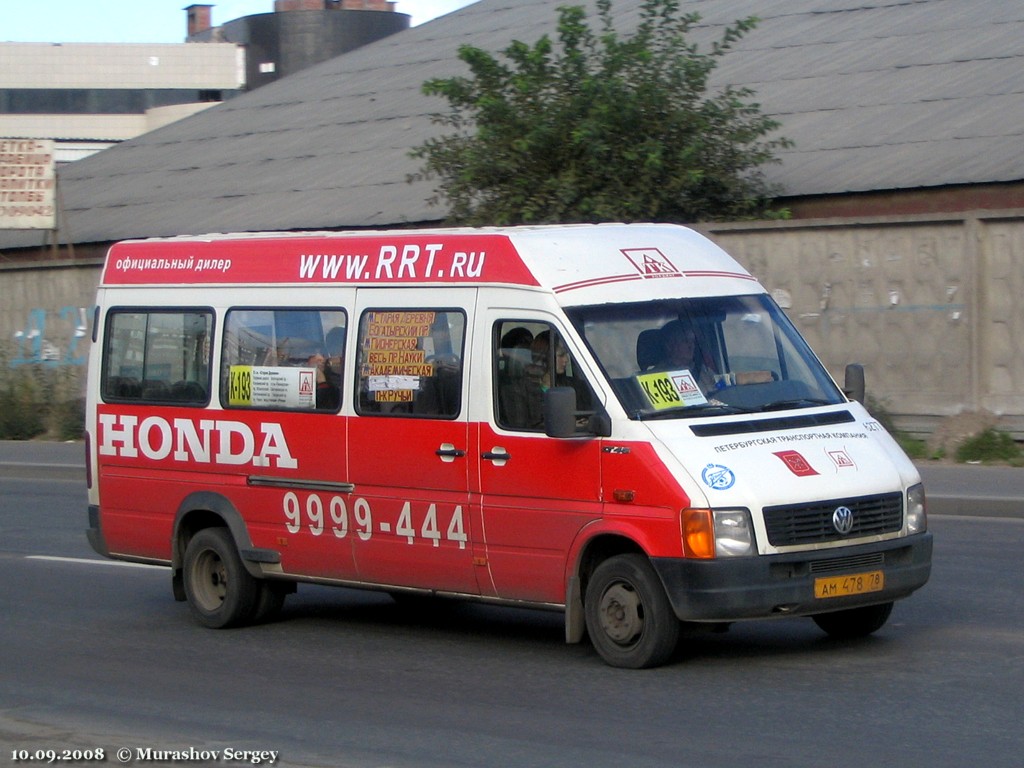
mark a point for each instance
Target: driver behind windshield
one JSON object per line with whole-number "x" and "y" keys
{"x": 681, "y": 351}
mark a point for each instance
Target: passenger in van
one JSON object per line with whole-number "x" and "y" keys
{"x": 515, "y": 352}
{"x": 188, "y": 392}
{"x": 513, "y": 359}
{"x": 155, "y": 390}
{"x": 327, "y": 396}
{"x": 328, "y": 392}
{"x": 539, "y": 379}
{"x": 440, "y": 394}
{"x": 128, "y": 388}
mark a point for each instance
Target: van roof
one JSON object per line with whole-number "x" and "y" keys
{"x": 579, "y": 263}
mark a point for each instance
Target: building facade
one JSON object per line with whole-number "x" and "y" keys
{"x": 90, "y": 96}
{"x": 299, "y": 33}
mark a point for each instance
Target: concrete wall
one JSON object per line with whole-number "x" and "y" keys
{"x": 46, "y": 313}
{"x": 931, "y": 305}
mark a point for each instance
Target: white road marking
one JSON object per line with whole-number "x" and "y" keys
{"x": 89, "y": 561}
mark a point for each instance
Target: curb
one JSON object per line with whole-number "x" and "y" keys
{"x": 973, "y": 490}
{"x": 12, "y": 470}
{"x": 974, "y": 506}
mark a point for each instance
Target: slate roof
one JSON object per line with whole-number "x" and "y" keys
{"x": 876, "y": 94}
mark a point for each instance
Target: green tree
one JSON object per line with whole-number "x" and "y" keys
{"x": 605, "y": 128}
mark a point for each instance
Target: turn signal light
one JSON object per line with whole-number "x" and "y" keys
{"x": 698, "y": 531}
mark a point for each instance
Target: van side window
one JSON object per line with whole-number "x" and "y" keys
{"x": 410, "y": 362}
{"x": 525, "y": 354}
{"x": 283, "y": 359}
{"x": 157, "y": 356}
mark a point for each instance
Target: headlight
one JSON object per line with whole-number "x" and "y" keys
{"x": 917, "y": 516}
{"x": 709, "y": 533}
{"x": 734, "y": 534}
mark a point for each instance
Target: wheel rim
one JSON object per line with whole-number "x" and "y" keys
{"x": 210, "y": 580}
{"x": 621, "y": 614}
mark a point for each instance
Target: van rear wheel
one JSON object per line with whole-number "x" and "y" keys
{"x": 629, "y": 618}
{"x": 220, "y": 592}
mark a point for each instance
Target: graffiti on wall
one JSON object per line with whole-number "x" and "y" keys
{"x": 53, "y": 339}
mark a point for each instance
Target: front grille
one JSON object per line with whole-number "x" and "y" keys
{"x": 844, "y": 564}
{"x": 794, "y": 524}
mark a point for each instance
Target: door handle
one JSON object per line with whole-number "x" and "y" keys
{"x": 448, "y": 452}
{"x": 498, "y": 455}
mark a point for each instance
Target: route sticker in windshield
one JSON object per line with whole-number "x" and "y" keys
{"x": 671, "y": 389}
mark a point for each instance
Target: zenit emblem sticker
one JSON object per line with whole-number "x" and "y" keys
{"x": 797, "y": 464}
{"x": 650, "y": 262}
{"x": 718, "y": 477}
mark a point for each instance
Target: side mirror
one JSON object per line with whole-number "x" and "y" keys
{"x": 601, "y": 424}
{"x": 560, "y": 412}
{"x": 853, "y": 388}
{"x": 561, "y": 417}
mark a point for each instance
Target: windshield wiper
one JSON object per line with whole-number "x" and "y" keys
{"x": 797, "y": 402}
{"x": 692, "y": 411}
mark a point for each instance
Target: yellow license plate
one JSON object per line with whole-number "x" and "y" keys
{"x": 851, "y": 584}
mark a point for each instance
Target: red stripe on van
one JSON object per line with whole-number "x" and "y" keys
{"x": 240, "y": 260}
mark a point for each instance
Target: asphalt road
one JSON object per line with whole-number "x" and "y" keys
{"x": 97, "y": 655}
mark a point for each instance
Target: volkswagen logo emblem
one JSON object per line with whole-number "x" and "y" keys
{"x": 842, "y": 519}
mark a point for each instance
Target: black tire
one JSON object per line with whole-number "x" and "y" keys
{"x": 854, "y": 622}
{"x": 629, "y": 618}
{"x": 220, "y": 592}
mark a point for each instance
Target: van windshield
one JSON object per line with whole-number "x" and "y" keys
{"x": 695, "y": 357}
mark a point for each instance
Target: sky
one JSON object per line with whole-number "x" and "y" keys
{"x": 146, "y": 21}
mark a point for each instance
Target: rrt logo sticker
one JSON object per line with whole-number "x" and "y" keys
{"x": 841, "y": 459}
{"x": 650, "y": 262}
{"x": 797, "y": 464}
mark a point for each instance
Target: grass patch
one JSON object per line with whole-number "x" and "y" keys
{"x": 914, "y": 447}
{"x": 990, "y": 447}
{"x": 41, "y": 401}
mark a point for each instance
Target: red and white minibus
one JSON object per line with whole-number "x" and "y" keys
{"x": 614, "y": 421}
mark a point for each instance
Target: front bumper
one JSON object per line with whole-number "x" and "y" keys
{"x": 730, "y": 589}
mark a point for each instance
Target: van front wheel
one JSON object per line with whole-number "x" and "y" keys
{"x": 629, "y": 618}
{"x": 220, "y": 592}
{"x": 854, "y": 622}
